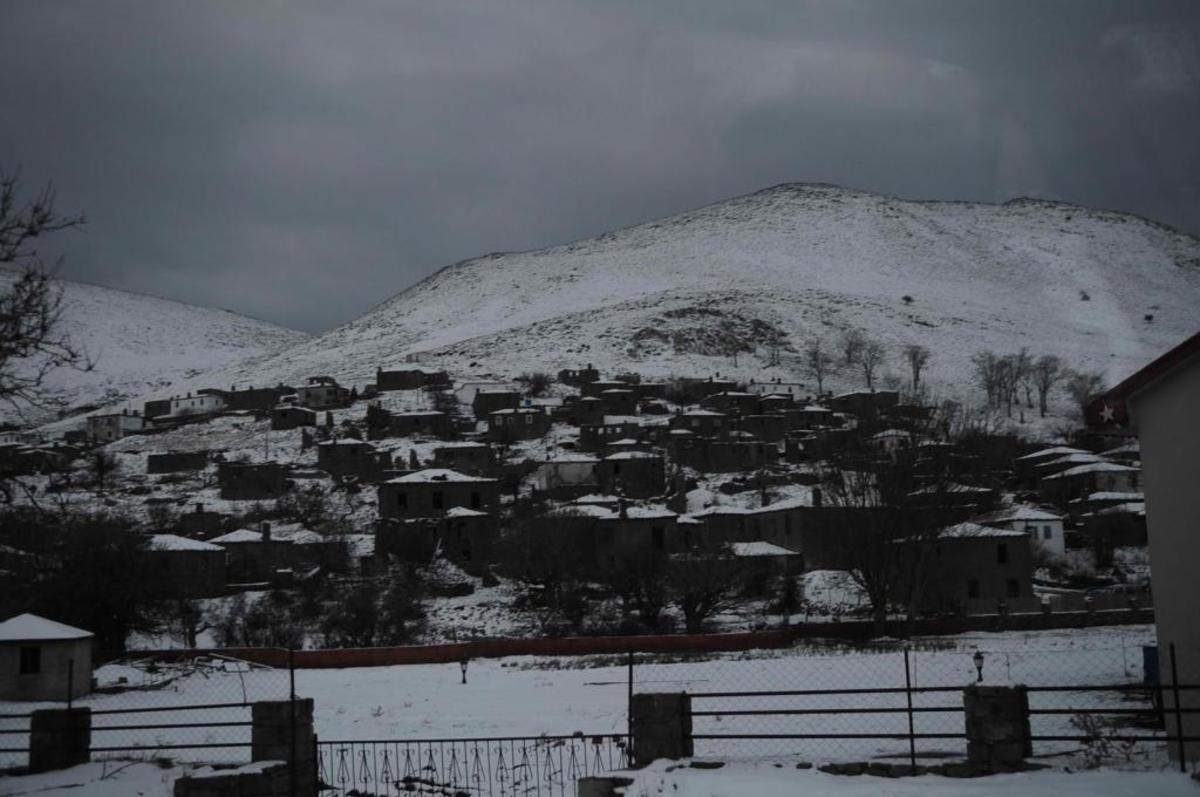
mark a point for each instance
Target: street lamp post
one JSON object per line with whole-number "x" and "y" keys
{"x": 978, "y": 659}
{"x": 462, "y": 665}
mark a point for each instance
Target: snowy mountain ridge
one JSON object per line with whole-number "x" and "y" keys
{"x": 769, "y": 271}
{"x": 140, "y": 343}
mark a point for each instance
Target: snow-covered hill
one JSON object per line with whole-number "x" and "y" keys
{"x": 142, "y": 343}
{"x": 793, "y": 261}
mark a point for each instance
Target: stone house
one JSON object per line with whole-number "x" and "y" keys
{"x": 382, "y": 423}
{"x": 636, "y": 474}
{"x": 255, "y": 556}
{"x": 203, "y": 403}
{"x": 596, "y": 437}
{"x": 974, "y": 567}
{"x": 473, "y": 459}
{"x": 488, "y": 401}
{"x": 1092, "y": 477}
{"x": 464, "y": 536}
{"x": 254, "y": 399}
{"x": 524, "y": 423}
{"x": 41, "y": 660}
{"x": 567, "y": 478}
{"x": 867, "y": 404}
{"x": 776, "y": 403}
{"x": 770, "y": 428}
{"x": 732, "y": 402}
{"x": 192, "y": 569}
{"x": 410, "y": 379}
{"x": 1120, "y": 525}
{"x": 323, "y": 393}
{"x": 287, "y": 416}
{"x": 811, "y": 416}
{"x": 704, "y": 423}
{"x": 201, "y": 523}
{"x": 251, "y": 481}
{"x": 587, "y": 411}
{"x": 618, "y": 401}
{"x": 176, "y": 462}
{"x": 352, "y": 458}
{"x": 578, "y": 376}
{"x": 433, "y": 492}
{"x": 594, "y": 389}
{"x": 1045, "y": 529}
{"x": 1027, "y": 467}
{"x": 607, "y": 537}
{"x": 112, "y": 426}
{"x": 156, "y": 408}
{"x": 944, "y": 493}
{"x": 727, "y": 456}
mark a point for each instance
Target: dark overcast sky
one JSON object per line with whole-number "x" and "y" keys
{"x": 301, "y": 162}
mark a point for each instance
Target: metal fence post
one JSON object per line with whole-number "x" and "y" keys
{"x": 293, "y": 770}
{"x": 629, "y": 704}
{"x": 912, "y": 739}
{"x": 1178, "y": 710}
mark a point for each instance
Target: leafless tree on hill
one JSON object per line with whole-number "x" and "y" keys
{"x": 32, "y": 343}
{"x": 917, "y": 357}
{"x": 851, "y": 345}
{"x": 870, "y": 357}
{"x": 1047, "y": 372}
{"x": 818, "y": 362}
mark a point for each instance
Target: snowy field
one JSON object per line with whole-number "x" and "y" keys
{"x": 532, "y": 696}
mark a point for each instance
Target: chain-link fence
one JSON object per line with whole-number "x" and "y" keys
{"x": 895, "y": 700}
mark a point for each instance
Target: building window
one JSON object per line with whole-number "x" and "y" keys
{"x": 1002, "y": 553}
{"x": 660, "y": 541}
{"x": 402, "y": 500}
{"x": 476, "y": 501}
{"x": 438, "y": 500}
{"x": 1047, "y": 533}
{"x": 31, "y": 660}
{"x": 1012, "y": 588}
{"x": 972, "y": 588}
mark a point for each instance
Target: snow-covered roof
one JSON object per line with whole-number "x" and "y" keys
{"x": 1129, "y": 508}
{"x": 760, "y": 548}
{"x": 241, "y": 535}
{"x": 624, "y": 441}
{"x": 681, "y": 432}
{"x": 1051, "y": 452}
{"x": 32, "y": 628}
{"x": 1071, "y": 459}
{"x": 886, "y": 433}
{"x": 1110, "y": 495}
{"x": 173, "y": 542}
{"x": 950, "y": 487}
{"x": 437, "y": 475}
{"x": 519, "y": 411}
{"x": 1093, "y": 467}
{"x": 1132, "y": 447}
{"x": 703, "y": 413}
{"x": 462, "y": 511}
{"x": 1017, "y": 512}
{"x": 632, "y": 455}
{"x": 815, "y": 408}
{"x": 969, "y": 530}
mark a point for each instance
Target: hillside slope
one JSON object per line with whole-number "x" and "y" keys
{"x": 790, "y": 262}
{"x": 142, "y": 343}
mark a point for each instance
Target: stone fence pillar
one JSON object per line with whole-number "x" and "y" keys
{"x": 59, "y": 738}
{"x": 283, "y": 731}
{"x": 997, "y": 725}
{"x": 661, "y": 724}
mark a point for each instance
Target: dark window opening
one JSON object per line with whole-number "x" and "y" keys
{"x": 476, "y": 500}
{"x": 972, "y": 588}
{"x": 1012, "y": 588}
{"x": 438, "y": 500}
{"x": 659, "y": 536}
{"x": 31, "y": 660}
{"x": 1002, "y": 553}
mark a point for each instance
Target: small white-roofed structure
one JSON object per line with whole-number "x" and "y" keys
{"x": 42, "y": 659}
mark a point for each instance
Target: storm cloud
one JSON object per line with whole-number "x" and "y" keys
{"x": 301, "y": 162}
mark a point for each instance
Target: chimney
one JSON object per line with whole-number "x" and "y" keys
{"x": 265, "y": 527}
{"x": 817, "y": 499}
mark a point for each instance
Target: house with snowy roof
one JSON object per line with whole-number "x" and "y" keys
{"x": 971, "y": 568}
{"x": 41, "y": 659}
{"x": 471, "y": 458}
{"x": 432, "y": 492}
{"x": 519, "y": 423}
{"x": 633, "y": 473}
{"x": 190, "y": 568}
{"x": 1092, "y": 477}
{"x": 271, "y": 553}
{"x": 702, "y": 422}
{"x": 111, "y": 426}
{"x": 1044, "y": 527}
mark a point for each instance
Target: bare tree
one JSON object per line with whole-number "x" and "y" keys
{"x": 818, "y": 362}
{"x": 917, "y": 357}
{"x": 1047, "y": 372}
{"x": 870, "y": 357}
{"x": 701, "y": 584}
{"x": 32, "y": 343}
{"x": 851, "y": 344}
{"x": 1083, "y": 386}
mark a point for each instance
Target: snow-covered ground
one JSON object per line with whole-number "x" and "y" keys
{"x": 769, "y": 780}
{"x": 532, "y": 696}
